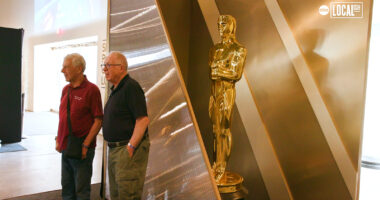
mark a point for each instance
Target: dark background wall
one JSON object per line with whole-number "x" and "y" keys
{"x": 10, "y": 84}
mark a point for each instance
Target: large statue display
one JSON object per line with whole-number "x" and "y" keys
{"x": 226, "y": 61}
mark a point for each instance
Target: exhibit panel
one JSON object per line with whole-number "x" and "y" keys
{"x": 308, "y": 86}
{"x": 178, "y": 166}
{"x": 300, "y": 147}
{"x": 191, "y": 39}
{"x": 298, "y": 117}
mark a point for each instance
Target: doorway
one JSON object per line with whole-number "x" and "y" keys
{"x": 48, "y": 79}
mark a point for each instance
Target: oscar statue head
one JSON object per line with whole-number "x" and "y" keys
{"x": 226, "y": 26}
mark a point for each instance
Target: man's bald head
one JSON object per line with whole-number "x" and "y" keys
{"x": 119, "y": 58}
{"x": 115, "y": 67}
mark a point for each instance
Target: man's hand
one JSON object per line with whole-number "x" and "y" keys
{"x": 91, "y": 136}
{"x": 84, "y": 152}
{"x": 57, "y": 146}
{"x": 138, "y": 134}
{"x": 130, "y": 151}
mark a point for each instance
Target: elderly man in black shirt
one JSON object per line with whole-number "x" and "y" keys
{"x": 125, "y": 125}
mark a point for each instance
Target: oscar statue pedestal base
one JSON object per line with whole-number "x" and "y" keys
{"x": 230, "y": 186}
{"x": 239, "y": 195}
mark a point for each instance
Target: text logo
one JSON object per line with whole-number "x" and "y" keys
{"x": 323, "y": 10}
{"x": 346, "y": 9}
{"x": 77, "y": 98}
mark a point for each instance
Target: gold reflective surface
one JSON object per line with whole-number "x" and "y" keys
{"x": 226, "y": 62}
{"x": 191, "y": 42}
{"x": 335, "y": 51}
{"x": 177, "y": 167}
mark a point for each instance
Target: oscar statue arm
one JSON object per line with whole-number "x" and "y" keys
{"x": 214, "y": 63}
{"x": 233, "y": 66}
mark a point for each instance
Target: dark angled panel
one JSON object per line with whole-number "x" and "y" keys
{"x": 10, "y": 84}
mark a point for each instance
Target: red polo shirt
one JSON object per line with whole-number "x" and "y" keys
{"x": 85, "y": 106}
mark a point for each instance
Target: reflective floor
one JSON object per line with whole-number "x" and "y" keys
{"x": 38, "y": 168}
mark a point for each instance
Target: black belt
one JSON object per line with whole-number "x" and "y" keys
{"x": 117, "y": 144}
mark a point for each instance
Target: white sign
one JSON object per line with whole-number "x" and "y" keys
{"x": 346, "y": 9}
{"x": 343, "y": 10}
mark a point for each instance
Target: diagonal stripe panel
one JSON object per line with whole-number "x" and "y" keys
{"x": 312, "y": 91}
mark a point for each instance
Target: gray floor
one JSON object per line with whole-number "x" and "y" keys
{"x": 38, "y": 168}
{"x": 56, "y": 195}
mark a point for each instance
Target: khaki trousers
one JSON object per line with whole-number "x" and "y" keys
{"x": 127, "y": 174}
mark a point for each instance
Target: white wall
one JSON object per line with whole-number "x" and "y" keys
{"x": 20, "y": 14}
{"x": 45, "y": 56}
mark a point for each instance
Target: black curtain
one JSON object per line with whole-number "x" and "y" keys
{"x": 10, "y": 84}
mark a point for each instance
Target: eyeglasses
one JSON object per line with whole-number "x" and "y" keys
{"x": 107, "y": 66}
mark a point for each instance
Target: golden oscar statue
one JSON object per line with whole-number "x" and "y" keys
{"x": 226, "y": 60}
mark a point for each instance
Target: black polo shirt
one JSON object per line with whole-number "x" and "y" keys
{"x": 125, "y": 104}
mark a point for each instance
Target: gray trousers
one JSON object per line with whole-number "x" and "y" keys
{"x": 126, "y": 174}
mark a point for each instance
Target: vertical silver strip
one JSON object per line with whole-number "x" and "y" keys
{"x": 106, "y": 94}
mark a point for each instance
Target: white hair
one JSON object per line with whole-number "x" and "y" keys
{"x": 76, "y": 60}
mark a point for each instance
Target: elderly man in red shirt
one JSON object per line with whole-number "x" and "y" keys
{"x": 86, "y": 114}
